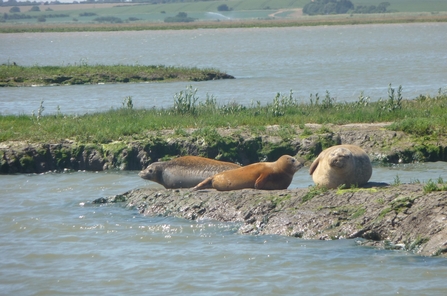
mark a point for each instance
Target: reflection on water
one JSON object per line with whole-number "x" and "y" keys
{"x": 54, "y": 241}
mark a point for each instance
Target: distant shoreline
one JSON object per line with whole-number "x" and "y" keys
{"x": 342, "y": 19}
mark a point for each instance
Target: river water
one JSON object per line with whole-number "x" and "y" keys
{"x": 344, "y": 60}
{"x": 53, "y": 241}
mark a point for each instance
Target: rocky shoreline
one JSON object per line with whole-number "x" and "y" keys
{"x": 401, "y": 217}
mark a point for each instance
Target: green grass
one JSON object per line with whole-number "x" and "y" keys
{"x": 189, "y": 112}
{"x": 13, "y": 75}
{"x": 431, "y": 185}
{"x": 430, "y": 122}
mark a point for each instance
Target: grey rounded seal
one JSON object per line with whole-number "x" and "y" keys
{"x": 341, "y": 165}
{"x": 185, "y": 171}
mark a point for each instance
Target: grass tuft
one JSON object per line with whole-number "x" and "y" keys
{"x": 431, "y": 185}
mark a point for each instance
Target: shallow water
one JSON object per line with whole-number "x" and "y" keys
{"x": 54, "y": 241}
{"x": 344, "y": 60}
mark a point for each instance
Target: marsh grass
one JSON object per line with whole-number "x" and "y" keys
{"x": 424, "y": 115}
{"x": 438, "y": 185}
{"x": 185, "y": 101}
{"x": 397, "y": 181}
{"x": 83, "y": 73}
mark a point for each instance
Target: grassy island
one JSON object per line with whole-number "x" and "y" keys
{"x": 424, "y": 116}
{"x": 14, "y": 75}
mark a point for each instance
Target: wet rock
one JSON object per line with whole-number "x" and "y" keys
{"x": 395, "y": 217}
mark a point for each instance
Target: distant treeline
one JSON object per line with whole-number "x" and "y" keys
{"x": 181, "y": 17}
{"x": 16, "y": 16}
{"x": 28, "y": 3}
{"x": 341, "y": 6}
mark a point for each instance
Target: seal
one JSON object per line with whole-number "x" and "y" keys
{"x": 341, "y": 165}
{"x": 184, "y": 171}
{"x": 262, "y": 175}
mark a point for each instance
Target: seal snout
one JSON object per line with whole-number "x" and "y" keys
{"x": 339, "y": 158}
{"x": 339, "y": 161}
{"x": 298, "y": 163}
{"x": 148, "y": 173}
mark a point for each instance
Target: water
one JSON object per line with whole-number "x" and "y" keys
{"x": 344, "y": 60}
{"x": 55, "y": 242}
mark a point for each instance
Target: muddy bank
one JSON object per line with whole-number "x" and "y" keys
{"x": 243, "y": 146}
{"x": 394, "y": 217}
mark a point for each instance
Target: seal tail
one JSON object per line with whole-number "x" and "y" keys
{"x": 205, "y": 184}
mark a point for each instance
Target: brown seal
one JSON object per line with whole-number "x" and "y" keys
{"x": 341, "y": 165}
{"x": 261, "y": 175}
{"x": 185, "y": 171}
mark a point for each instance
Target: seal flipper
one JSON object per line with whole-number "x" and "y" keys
{"x": 205, "y": 184}
{"x": 314, "y": 165}
{"x": 261, "y": 181}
